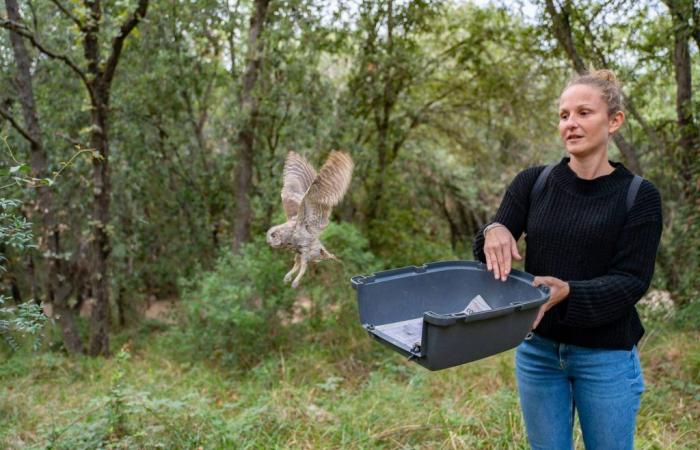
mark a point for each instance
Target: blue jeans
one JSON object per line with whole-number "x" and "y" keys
{"x": 555, "y": 379}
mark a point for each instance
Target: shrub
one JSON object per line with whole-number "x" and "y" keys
{"x": 231, "y": 311}
{"x": 407, "y": 237}
{"x": 26, "y": 318}
{"x": 239, "y": 312}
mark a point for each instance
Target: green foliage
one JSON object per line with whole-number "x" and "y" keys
{"x": 438, "y": 117}
{"x": 242, "y": 310}
{"x": 116, "y": 414}
{"x": 19, "y": 322}
{"x": 347, "y": 242}
{"x": 15, "y": 230}
{"x": 125, "y": 417}
{"x": 26, "y": 318}
{"x": 684, "y": 245}
{"x": 233, "y": 311}
{"x": 688, "y": 315}
{"x": 355, "y": 394}
{"x": 410, "y": 230}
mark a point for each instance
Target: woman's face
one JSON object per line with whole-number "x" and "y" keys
{"x": 584, "y": 124}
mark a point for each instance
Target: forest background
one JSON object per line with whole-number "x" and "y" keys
{"x": 142, "y": 152}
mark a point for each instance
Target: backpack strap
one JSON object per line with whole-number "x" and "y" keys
{"x": 632, "y": 191}
{"x": 539, "y": 183}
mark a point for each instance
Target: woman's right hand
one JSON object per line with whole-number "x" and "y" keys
{"x": 500, "y": 248}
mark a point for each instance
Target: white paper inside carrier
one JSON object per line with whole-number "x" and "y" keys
{"x": 409, "y": 332}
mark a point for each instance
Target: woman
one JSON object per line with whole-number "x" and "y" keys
{"x": 597, "y": 256}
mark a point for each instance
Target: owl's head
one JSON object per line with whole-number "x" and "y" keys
{"x": 279, "y": 235}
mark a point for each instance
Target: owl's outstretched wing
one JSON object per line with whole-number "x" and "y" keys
{"x": 298, "y": 176}
{"x": 325, "y": 192}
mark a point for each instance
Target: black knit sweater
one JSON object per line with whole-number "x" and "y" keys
{"x": 580, "y": 231}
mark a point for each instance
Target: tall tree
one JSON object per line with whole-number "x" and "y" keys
{"x": 50, "y": 239}
{"x": 100, "y": 71}
{"x": 97, "y": 78}
{"x": 683, "y": 14}
{"x": 389, "y": 64}
{"x": 248, "y": 108}
{"x": 562, "y": 28}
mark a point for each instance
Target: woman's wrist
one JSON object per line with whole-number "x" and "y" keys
{"x": 491, "y": 226}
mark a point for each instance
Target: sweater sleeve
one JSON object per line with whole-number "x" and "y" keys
{"x": 513, "y": 209}
{"x": 595, "y": 302}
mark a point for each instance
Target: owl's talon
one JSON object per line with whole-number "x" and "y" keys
{"x": 290, "y": 274}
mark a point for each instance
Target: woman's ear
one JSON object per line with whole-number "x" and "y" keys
{"x": 615, "y": 122}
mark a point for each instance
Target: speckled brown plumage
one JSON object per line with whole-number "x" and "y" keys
{"x": 308, "y": 199}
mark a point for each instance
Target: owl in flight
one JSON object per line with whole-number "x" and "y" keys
{"x": 308, "y": 199}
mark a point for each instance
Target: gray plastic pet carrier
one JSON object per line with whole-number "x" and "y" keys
{"x": 448, "y": 313}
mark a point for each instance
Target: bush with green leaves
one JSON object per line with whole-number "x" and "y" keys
{"x": 26, "y": 318}
{"x": 351, "y": 247}
{"x": 232, "y": 310}
{"x": 15, "y": 231}
{"x": 242, "y": 310}
{"x": 18, "y": 322}
{"x": 415, "y": 233}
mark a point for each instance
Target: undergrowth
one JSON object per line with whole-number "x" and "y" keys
{"x": 334, "y": 388}
{"x": 254, "y": 364}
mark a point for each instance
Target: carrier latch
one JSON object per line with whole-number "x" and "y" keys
{"x": 415, "y": 351}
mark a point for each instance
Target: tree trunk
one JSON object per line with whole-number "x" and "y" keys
{"x": 100, "y": 82}
{"x": 561, "y": 26}
{"x": 38, "y": 160}
{"x": 97, "y": 80}
{"x": 246, "y": 136}
{"x": 34, "y": 290}
{"x": 99, "y": 320}
{"x": 121, "y": 306}
{"x": 681, "y": 13}
{"x": 382, "y": 121}
{"x": 377, "y": 182}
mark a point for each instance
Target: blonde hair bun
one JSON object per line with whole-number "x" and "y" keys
{"x": 606, "y": 81}
{"x": 605, "y": 75}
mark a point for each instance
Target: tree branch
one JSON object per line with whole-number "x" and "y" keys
{"x": 69, "y": 14}
{"x": 562, "y": 30}
{"x": 7, "y": 116}
{"x": 23, "y": 31}
{"x": 35, "y": 21}
{"x": 75, "y": 143}
{"x": 627, "y": 100}
{"x": 231, "y": 35}
{"x": 417, "y": 118}
{"x": 118, "y": 41}
{"x": 696, "y": 23}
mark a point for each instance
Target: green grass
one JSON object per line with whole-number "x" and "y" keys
{"x": 333, "y": 388}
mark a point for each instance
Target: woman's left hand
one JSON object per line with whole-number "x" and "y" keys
{"x": 558, "y": 291}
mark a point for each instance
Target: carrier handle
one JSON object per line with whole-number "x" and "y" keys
{"x": 444, "y": 320}
{"x": 491, "y": 314}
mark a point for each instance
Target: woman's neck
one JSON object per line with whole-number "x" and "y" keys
{"x": 591, "y": 166}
